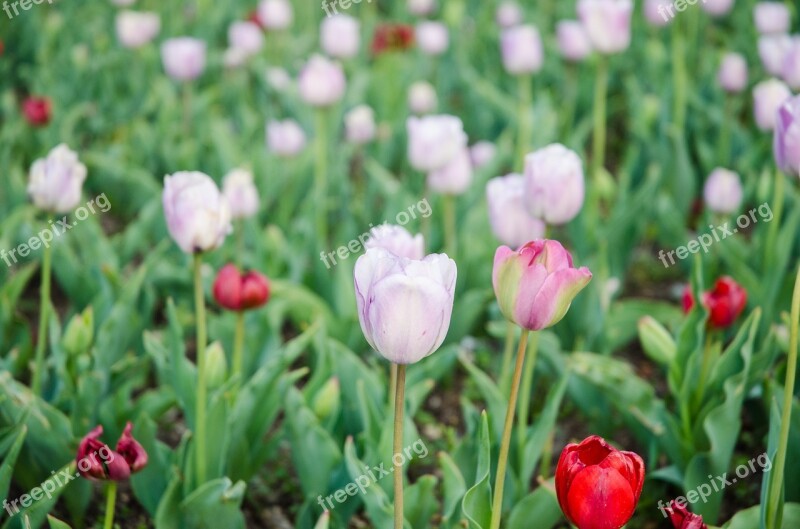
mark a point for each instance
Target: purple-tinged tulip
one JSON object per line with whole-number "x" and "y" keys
{"x": 321, "y": 82}
{"x": 55, "y": 182}
{"x": 768, "y": 96}
{"x": 772, "y": 50}
{"x": 510, "y": 221}
{"x": 787, "y": 137}
{"x": 241, "y": 193}
{"x": 285, "y": 138}
{"x": 723, "y": 191}
{"x": 771, "y": 18}
{"x": 397, "y": 240}
{"x": 573, "y": 42}
{"x": 536, "y": 284}
{"x": 554, "y": 184}
{"x": 608, "y": 23}
{"x": 359, "y": 125}
{"x": 131, "y": 451}
{"x": 198, "y": 217}
{"x": 455, "y": 177}
{"x": 421, "y": 8}
{"x": 732, "y": 75}
{"x": 434, "y": 141}
{"x": 522, "y": 50}
{"x": 184, "y": 58}
{"x": 508, "y": 15}
{"x": 404, "y": 305}
{"x": 717, "y": 8}
{"x": 245, "y": 36}
{"x": 656, "y": 14}
{"x": 135, "y": 29}
{"x": 96, "y": 461}
{"x": 432, "y": 37}
{"x": 340, "y": 36}
{"x": 422, "y": 98}
{"x": 791, "y": 65}
{"x": 482, "y": 153}
{"x": 275, "y": 14}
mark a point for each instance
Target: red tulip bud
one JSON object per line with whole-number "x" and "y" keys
{"x": 681, "y": 518}
{"x": 95, "y": 460}
{"x": 131, "y": 451}
{"x": 725, "y": 302}
{"x": 235, "y": 291}
{"x": 36, "y": 110}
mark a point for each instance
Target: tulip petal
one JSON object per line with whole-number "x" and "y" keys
{"x": 553, "y": 298}
{"x": 600, "y": 498}
{"x": 131, "y": 451}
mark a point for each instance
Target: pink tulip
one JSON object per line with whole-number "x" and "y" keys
{"x": 573, "y": 42}
{"x": 184, "y": 58}
{"x": 509, "y": 219}
{"x": 722, "y": 191}
{"x": 522, "y": 50}
{"x": 608, "y": 23}
{"x": 717, "y": 8}
{"x": 771, "y": 18}
{"x": 554, "y": 184}
{"x": 321, "y": 82}
{"x": 455, "y": 177}
{"x": 768, "y": 96}
{"x": 732, "y": 75}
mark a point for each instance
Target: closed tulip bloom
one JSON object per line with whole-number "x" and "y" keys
{"x": 434, "y": 141}
{"x": 238, "y": 292}
{"x": 768, "y": 96}
{"x": 510, "y": 221}
{"x": 608, "y": 23}
{"x": 55, "y": 182}
{"x": 359, "y": 125}
{"x": 184, "y": 58}
{"x": 321, "y": 82}
{"x": 723, "y": 191}
{"x": 131, "y": 451}
{"x": 732, "y": 74}
{"x": 241, "y": 193}
{"x": 397, "y": 240}
{"x": 681, "y": 518}
{"x": 787, "y": 137}
{"x": 536, "y": 284}
{"x": 404, "y": 305}
{"x": 135, "y": 29}
{"x": 95, "y": 460}
{"x": 482, "y": 153}
{"x": 717, "y": 8}
{"x": 655, "y": 13}
{"x": 275, "y": 14}
{"x": 285, "y": 138}
{"x": 554, "y": 184}
{"x": 790, "y": 72}
{"x": 340, "y": 36}
{"x": 198, "y": 217}
{"x": 245, "y": 36}
{"x": 422, "y": 98}
{"x": 522, "y": 50}
{"x": 772, "y": 50}
{"x": 573, "y": 42}
{"x": 455, "y": 177}
{"x": 432, "y": 37}
{"x": 771, "y": 17}
{"x": 421, "y": 8}
{"x": 597, "y": 485}
{"x": 725, "y": 302}
{"x": 37, "y": 110}
{"x": 508, "y": 15}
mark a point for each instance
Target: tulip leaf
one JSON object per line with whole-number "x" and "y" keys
{"x": 215, "y": 504}
{"x": 495, "y": 401}
{"x": 541, "y": 430}
{"x": 420, "y": 502}
{"x": 541, "y": 505}
{"x": 150, "y": 483}
{"x": 378, "y": 504}
{"x": 477, "y": 502}
{"x": 10, "y": 445}
{"x": 453, "y": 484}
{"x": 749, "y": 518}
{"x": 56, "y": 523}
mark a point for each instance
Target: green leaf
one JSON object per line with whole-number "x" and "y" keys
{"x": 477, "y": 503}
{"x": 453, "y": 484}
{"x": 215, "y": 504}
{"x": 56, "y": 523}
{"x": 541, "y": 505}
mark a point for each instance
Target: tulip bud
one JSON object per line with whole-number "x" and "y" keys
{"x": 725, "y": 302}
{"x": 340, "y": 36}
{"x": 36, "y": 110}
{"x": 432, "y": 37}
{"x": 96, "y": 461}
{"x": 554, "y": 184}
{"x": 238, "y": 292}
{"x": 656, "y": 341}
{"x": 198, "y": 217}
{"x": 522, "y": 50}
{"x": 131, "y": 451}
{"x": 55, "y": 182}
{"x": 241, "y": 194}
{"x": 422, "y": 98}
{"x": 787, "y": 137}
{"x": 723, "y": 191}
{"x": 508, "y": 15}
{"x": 79, "y": 334}
{"x": 772, "y": 50}
{"x": 608, "y": 23}
{"x": 285, "y": 138}
{"x": 771, "y": 18}
{"x": 396, "y": 240}
{"x": 681, "y": 518}
{"x": 656, "y": 14}
{"x": 536, "y": 284}
{"x": 597, "y": 485}
{"x": 327, "y": 400}
{"x": 135, "y": 29}
{"x": 421, "y": 8}
{"x": 275, "y": 14}
{"x": 717, "y": 8}
{"x": 434, "y": 141}
{"x": 510, "y": 221}
{"x": 216, "y": 365}
{"x": 768, "y": 97}
{"x": 573, "y": 42}
{"x": 321, "y": 82}
{"x": 184, "y": 58}
{"x": 392, "y": 37}
{"x": 482, "y": 153}
{"x": 359, "y": 125}
{"x": 455, "y": 177}
{"x": 245, "y": 36}
{"x": 404, "y": 306}
{"x": 732, "y": 74}
{"x": 790, "y": 70}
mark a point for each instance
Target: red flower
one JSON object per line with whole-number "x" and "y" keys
{"x": 681, "y": 518}
{"x": 725, "y": 302}
{"x": 597, "y": 485}
{"x": 36, "y": 110}
{"x": 95, "y": 460}
{"x": 392, "y": 37}
{"x": 235, "y": 291}
{"x": 255, "y": 19}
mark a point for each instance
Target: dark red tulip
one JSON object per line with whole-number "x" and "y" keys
{"x": 597, "y": 485}
{"x": 131, "y": 451}
{"x": 681, "y": 518}
{"x": 36, "y": 110}
{"x": 95, "y": 460}
{"x": 238, "y": 292}
{"x": 392, "y": 37}
{"x": 725, "y": 302}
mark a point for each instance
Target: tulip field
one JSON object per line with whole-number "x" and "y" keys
{"x": 400, "y": 264}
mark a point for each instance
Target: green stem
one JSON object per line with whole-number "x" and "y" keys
{"x": 775, "y": 223}
{"x": 547, "y": 456}
{"x": 399, "y": 408}
{"x": 111, "y": 501}
{"x": 524, "y": 406}
{"x": 725, "y": 132}
{"x": 508, "y": 352}
{"x": 392, "y": 384}
{"x": 525, "y": 132}
{"x": 238, "y": 348}
{"x": 200, "y": 310}
{"x": 44, "y": 318}
{"x": 502, "y": 461}
{"x": 775, "y": 493}
{"x": 679, "y": 77}
{"x": 599, "y": 134}
{"x": 450, "y": 241}
{"x": 321, "y": 175}
{"x": 571, "y": 74}
{"x": 187, "y": 107}
{"x": 708, "y": 355}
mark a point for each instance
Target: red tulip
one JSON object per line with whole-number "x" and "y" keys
{"x": 95, "y": 460}
{"x": 36, "y": 110}
{"x": 681, "y": 518}
{"x": 391, "y": 37}
{"x": 725, "y": 302}
{"x": 235, "y": 291}
{"x": 597, "y": 485}
{"x": 255, "y": 19}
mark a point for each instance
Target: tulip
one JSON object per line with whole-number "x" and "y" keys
{"x": 508, "y": 15}
{"x": 681, "y": 518}
{"x": 239, "y": 292}
{"x": 285, "y": 138}
{"x": 509, "y": 219}
{"x": 655, "y": 13}
{"x": 422, "y": 98}
{"x": 245, "y": 36}
{"x": 573, "y": 42}
{"x": 398, "y": 241}
{"x": 723, "y": 191}
{"x": 597, "y": 485}
{"x": 340, "y": 36}
{"x": 118, "y": 465}
{"x": 55, "y": 182}
{"x": 184, "y": 58}
{"x": 732, "y": 76}
{"x": 135, "y": 29}
{"x": 235, "y": 57}
{"x": 771, "y": 18}
{"x": 554, "y": 184}
{"x": 725, "y": 302}
{"x": 421, "y": 8}
{"x": 278, "y": 78}
{"x": 790, "y": 70}
{"x": 768, "y": 97}
{"x": 241, "y": 194}
{"x": 608, "y": 23}
{"x": 359, "y": 125}
{"x": 321, "y": 82}
{"x": 198, "y": 217}
{"x": 432, "y": 37}
{"x": 434, "y": 141}
{"x": 717, "y": 8}
{"x": 482, "y": 153}
{"x": 275, "y": 14}
{"x": 522, "y": 51}
{"x": 455, "y": 177}
{"x": 36, "y": 110}
{"x": 392, "y": 37}
{"x": 787, "y": 137}
{"x": 772, "y": 50}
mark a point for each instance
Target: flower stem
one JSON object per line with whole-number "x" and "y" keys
{"x": 775, "y": 493}
{"x": 321, "y": 175}
{"x": 450, "y": 243}
{"x": 524, "y": 133}
{"x": 399, "y": 407}
{"x": 187, "y": 107}
{"x": 525, "y": 402}
{"x": 775, "y": 223}
{"x": 497, "y": 503}
{"x": 238, "y": 348}
{"x": 725, "y": 132}
{"x": 508, "y": 352}
{"x": 679, "y": 77}
{"x": 44, "y": 319}
{"x": 392, "y": 383}
{"x": 200, "y": 310}
{"x": 111, "y": 501}
{"x": 599, "y": 134}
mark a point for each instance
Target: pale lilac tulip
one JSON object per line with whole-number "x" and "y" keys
{"x": 135, "y": 29}
{"x": 772, "y": 50}
{"x": 522, "y": 50}
{"x": 787, "y": 137}
{"x": 455, "y": 177}
{"x": 184, "y": 58}
{"x": 285, "y": 138}
{"x": 55, "y": 182}
{"x": 434, "y": 141}
{"x": 717, "y": 8}
{"x": 482, "y": 153}
{"x": 771, "y": 18}
{"x": 722, "y": 191}
{"x": 421, "y": 8}
{"x": 245, "y": 36}
{"x": 536, "y": 284}
{"x": 510, "y": 221}
{"x": 359, "y": 125}
{"x": 790, "y": 70}
{"x": 732, "y": 75}
{"x": 198, "y": 217}
{"x": 432, "y": 37}
{"x": 404, "y": 305}
{"x": 275, "y": 14}
{"x": 397, "y": 240}
{"x": 241, "y": 193}
{"x": 321, "y": 82}
{"x": 554, "y": 184}
{"x": 422, "y": 98}
{"x": 573, "y": 42}
{"x": 508, "y": 15}
{"x": 656, "y": 14}
{"x": 768, "y": 96}
{"x": 340, "y": 36}
{"x": 608, "y": 23}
